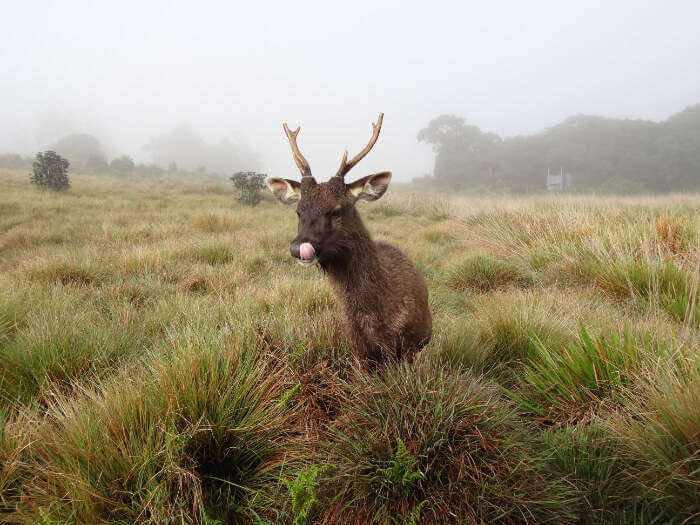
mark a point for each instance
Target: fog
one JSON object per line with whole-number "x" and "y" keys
{"x": 131, "y": 71}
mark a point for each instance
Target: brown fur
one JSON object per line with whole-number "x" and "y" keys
{"x": 382, "y": 296}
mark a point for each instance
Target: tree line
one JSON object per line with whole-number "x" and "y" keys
{"x": 601, "y": 154}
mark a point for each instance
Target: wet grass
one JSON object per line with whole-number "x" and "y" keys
{"x": 168, "y": 362}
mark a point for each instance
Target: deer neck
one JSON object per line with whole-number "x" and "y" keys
{"x": 357, "y": 276}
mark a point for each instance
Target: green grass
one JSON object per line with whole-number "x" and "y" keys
{"x": 566, "y": 383}
{"x": 169, "y": 362}
{"x": 483, "y": 273}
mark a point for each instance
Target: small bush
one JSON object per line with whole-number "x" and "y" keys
{"x": 50, "y": 170}
{"x": 248, "y": 185}
{"x": 483, "y": 273}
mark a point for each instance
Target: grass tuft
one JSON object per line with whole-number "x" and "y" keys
{"x": 426, "y": 437}
{"x": 483, "y": 273}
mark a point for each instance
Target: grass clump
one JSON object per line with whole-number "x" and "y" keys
{"x": 51, "y": 357}
{"x": 567, "y": 383}
{"x": 659, "y": 435}
{"x": 483, "y": 273}
{"x": 651, "y": 284}
{"x": 214, "y": 254}
{"x": 199, "y": 434}
{"x": 589, "y": 458}
{"x": 430, "y": 441}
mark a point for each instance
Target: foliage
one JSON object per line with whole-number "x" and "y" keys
{"x": 50, "y": 170}
{"x": 248, "y": 185}
{"x": 303, "y": 492}
{"x": 79, "y": 148}
{"x": 600, "y": 153}
{"x": 122, "y": 164}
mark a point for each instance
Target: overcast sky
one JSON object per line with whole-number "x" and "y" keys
{"x": 127, "y": 71}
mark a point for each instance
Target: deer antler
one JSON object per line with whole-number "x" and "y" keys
{"x": 346, "y": 166}
{"x": 299, "y": 159}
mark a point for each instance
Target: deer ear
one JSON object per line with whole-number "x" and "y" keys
{"x": 287, "y": 191}
{"x": 370, "y": 187}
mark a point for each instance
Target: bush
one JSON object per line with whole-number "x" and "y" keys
{"x": 123, "y": 164}
{"x": 248, "y": 185}
{"x": 50, "y": 170}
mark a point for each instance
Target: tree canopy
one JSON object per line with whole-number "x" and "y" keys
{"x": 600, "y": 153}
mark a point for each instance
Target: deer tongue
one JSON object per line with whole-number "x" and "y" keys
{"x": 306, "y": 251}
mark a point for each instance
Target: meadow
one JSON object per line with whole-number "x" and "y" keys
{"x": 164, "y": 360}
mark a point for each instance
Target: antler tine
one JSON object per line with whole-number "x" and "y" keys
{"x": 346, "y": 166}
{"x": 299, "y": 159}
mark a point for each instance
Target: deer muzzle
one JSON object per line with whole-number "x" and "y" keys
{"x": 304, "y": 251}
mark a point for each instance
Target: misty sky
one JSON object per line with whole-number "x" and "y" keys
{"x": 127, "y": 71}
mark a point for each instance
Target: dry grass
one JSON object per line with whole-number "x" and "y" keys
{"x": 162, "y": 359}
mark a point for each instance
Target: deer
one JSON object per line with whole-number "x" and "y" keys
{"x": 382, "y": 297}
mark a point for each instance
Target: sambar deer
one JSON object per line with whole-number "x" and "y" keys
{"x": 382, "y": 296}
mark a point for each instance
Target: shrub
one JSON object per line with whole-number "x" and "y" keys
{"x": 50, "y": 170}
{"x": 248, "y": 185}
{"x": 426, "y": 440}
{"x": 123, "y": 164}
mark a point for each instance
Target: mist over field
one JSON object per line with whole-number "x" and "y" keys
{"x": 133, "y": 72}
{"x": 195, "y": 330}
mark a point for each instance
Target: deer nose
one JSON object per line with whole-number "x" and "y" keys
{"x": 302, "y": 250}
{"x": 306, "y": 251}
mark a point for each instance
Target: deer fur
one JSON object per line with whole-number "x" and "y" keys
{"x": 382, "y": 297}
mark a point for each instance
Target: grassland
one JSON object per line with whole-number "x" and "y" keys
{"x": 163, "y": 360}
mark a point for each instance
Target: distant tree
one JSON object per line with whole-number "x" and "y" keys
{"x": 123, "y": 164}
{"x": 184, "y": 146}
{"x": 172, "y": 167}
{"x": 248, "y": 185}
{"x": 600, "y": 153}
{"x": 13, "y": 161}
{"x": 50, "y": 170}
{"x": 79, "y": 148}
{"x": 201, "y": 170}
{"x": 149, "y": 170}
{"x": 96, "y": 165}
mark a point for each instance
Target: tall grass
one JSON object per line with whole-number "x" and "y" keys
{"x": 168, "y": 362}
{"x": 425, "y": 440}
{"x": 198, "y": 433}
{"x": 567, "y": 383}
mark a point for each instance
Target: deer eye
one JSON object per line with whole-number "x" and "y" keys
{"x": 336, "y": 213}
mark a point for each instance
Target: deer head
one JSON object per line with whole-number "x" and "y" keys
{"x": 328, "y": 222}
